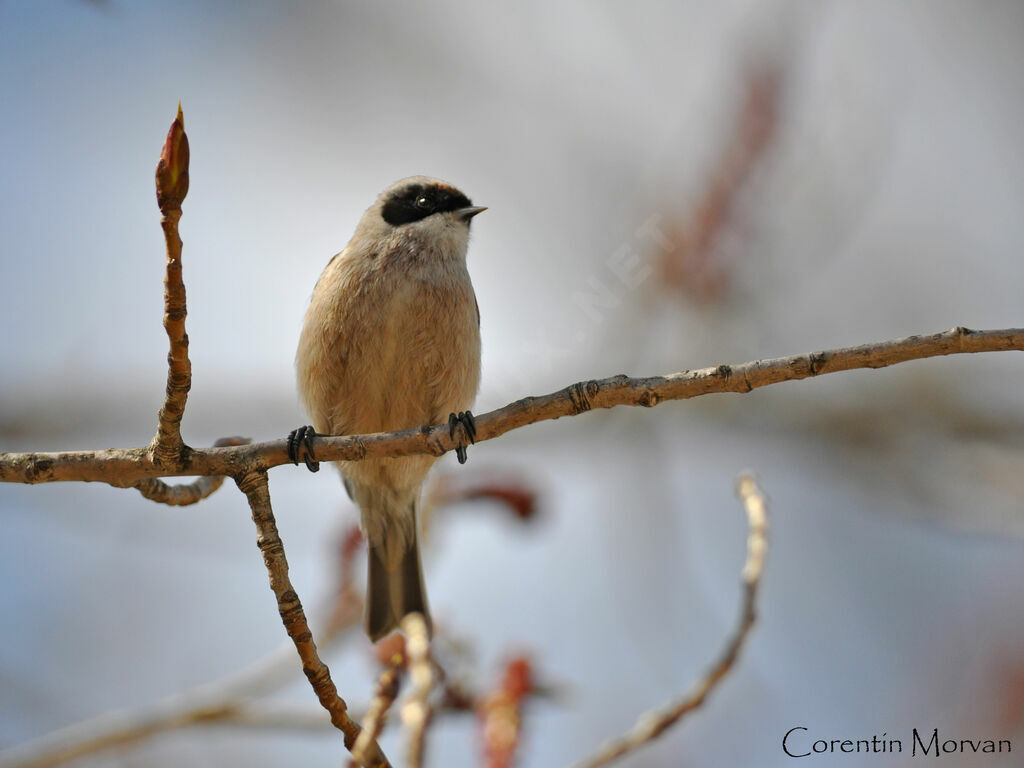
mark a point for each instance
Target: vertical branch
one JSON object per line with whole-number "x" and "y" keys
{"x": 254, "y": 486}
{"x": 171, "y": 188}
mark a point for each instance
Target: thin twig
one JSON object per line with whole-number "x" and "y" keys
{"x": 178, "y": 495}
{"x": 129, "y": 466}
{"x": 384, "y": 696}
{"x": 171, "y": 188}
{"x": 416, "y": 712}
{"x": 652, "y": 724}
{"x": 256, "y": 489}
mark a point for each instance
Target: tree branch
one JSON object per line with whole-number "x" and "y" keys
{"x": 652, "y": 724}
{"x": 127, "y": 467}
{"x": 256, "y": 489}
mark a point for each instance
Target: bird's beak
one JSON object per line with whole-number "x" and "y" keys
{"x": 465, "y": 214}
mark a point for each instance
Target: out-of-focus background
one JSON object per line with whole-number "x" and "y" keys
{"x": 669, "y": 186}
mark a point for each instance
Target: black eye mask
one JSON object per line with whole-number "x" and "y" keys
{"x": 417, "y": 201}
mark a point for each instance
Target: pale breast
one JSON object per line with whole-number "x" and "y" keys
{"x": 383, "y": 350}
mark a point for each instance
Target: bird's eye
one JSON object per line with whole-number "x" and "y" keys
{"x": 423, "y": 202}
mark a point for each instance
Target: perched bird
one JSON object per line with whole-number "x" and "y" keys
{"x": 391, "y": 340}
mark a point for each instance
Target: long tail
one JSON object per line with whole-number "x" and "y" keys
{"x": 394, "y": 585}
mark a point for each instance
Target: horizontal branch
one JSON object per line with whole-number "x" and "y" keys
{"x": 127, "y": 467}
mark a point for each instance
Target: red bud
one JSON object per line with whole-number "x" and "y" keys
{"x": 172, "y": 169}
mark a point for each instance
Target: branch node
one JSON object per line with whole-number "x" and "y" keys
{"x": 648, "y": 398}
{"x": 816, "y": 361}
{"x": 578, "y": 396}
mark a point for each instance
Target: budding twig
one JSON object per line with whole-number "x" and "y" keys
{"x": 171, "y": 188}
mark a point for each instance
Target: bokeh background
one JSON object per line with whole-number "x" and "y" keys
{"x": 670, "y": 186}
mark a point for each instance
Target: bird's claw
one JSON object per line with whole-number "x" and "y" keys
{"x": 300, "y": 446}
{"x": 468, "y": 423}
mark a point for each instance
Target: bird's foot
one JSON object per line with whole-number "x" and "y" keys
{"x": 300, "y": 446}
{"x": 468, "y": 423}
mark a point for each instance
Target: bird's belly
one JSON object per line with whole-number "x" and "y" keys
{"x": 420, "y": 362}
{"x": 427, "y": 356}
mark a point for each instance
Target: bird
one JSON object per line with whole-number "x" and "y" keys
{"x": 390, "y": 341}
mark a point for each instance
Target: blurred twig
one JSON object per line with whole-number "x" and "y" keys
{"x": 416, "y": 711}
{"x": 652, "y": 724}
{"x": 387, "y": 690}
{"x": 687, "y": 260}
{"x": 501, "y": 713}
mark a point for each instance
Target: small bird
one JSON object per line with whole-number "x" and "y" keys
{"x": 391, "y": 340}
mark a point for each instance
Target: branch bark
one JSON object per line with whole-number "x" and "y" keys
{"x": 129, "y": 466}
{"x": 257, "y": 490}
